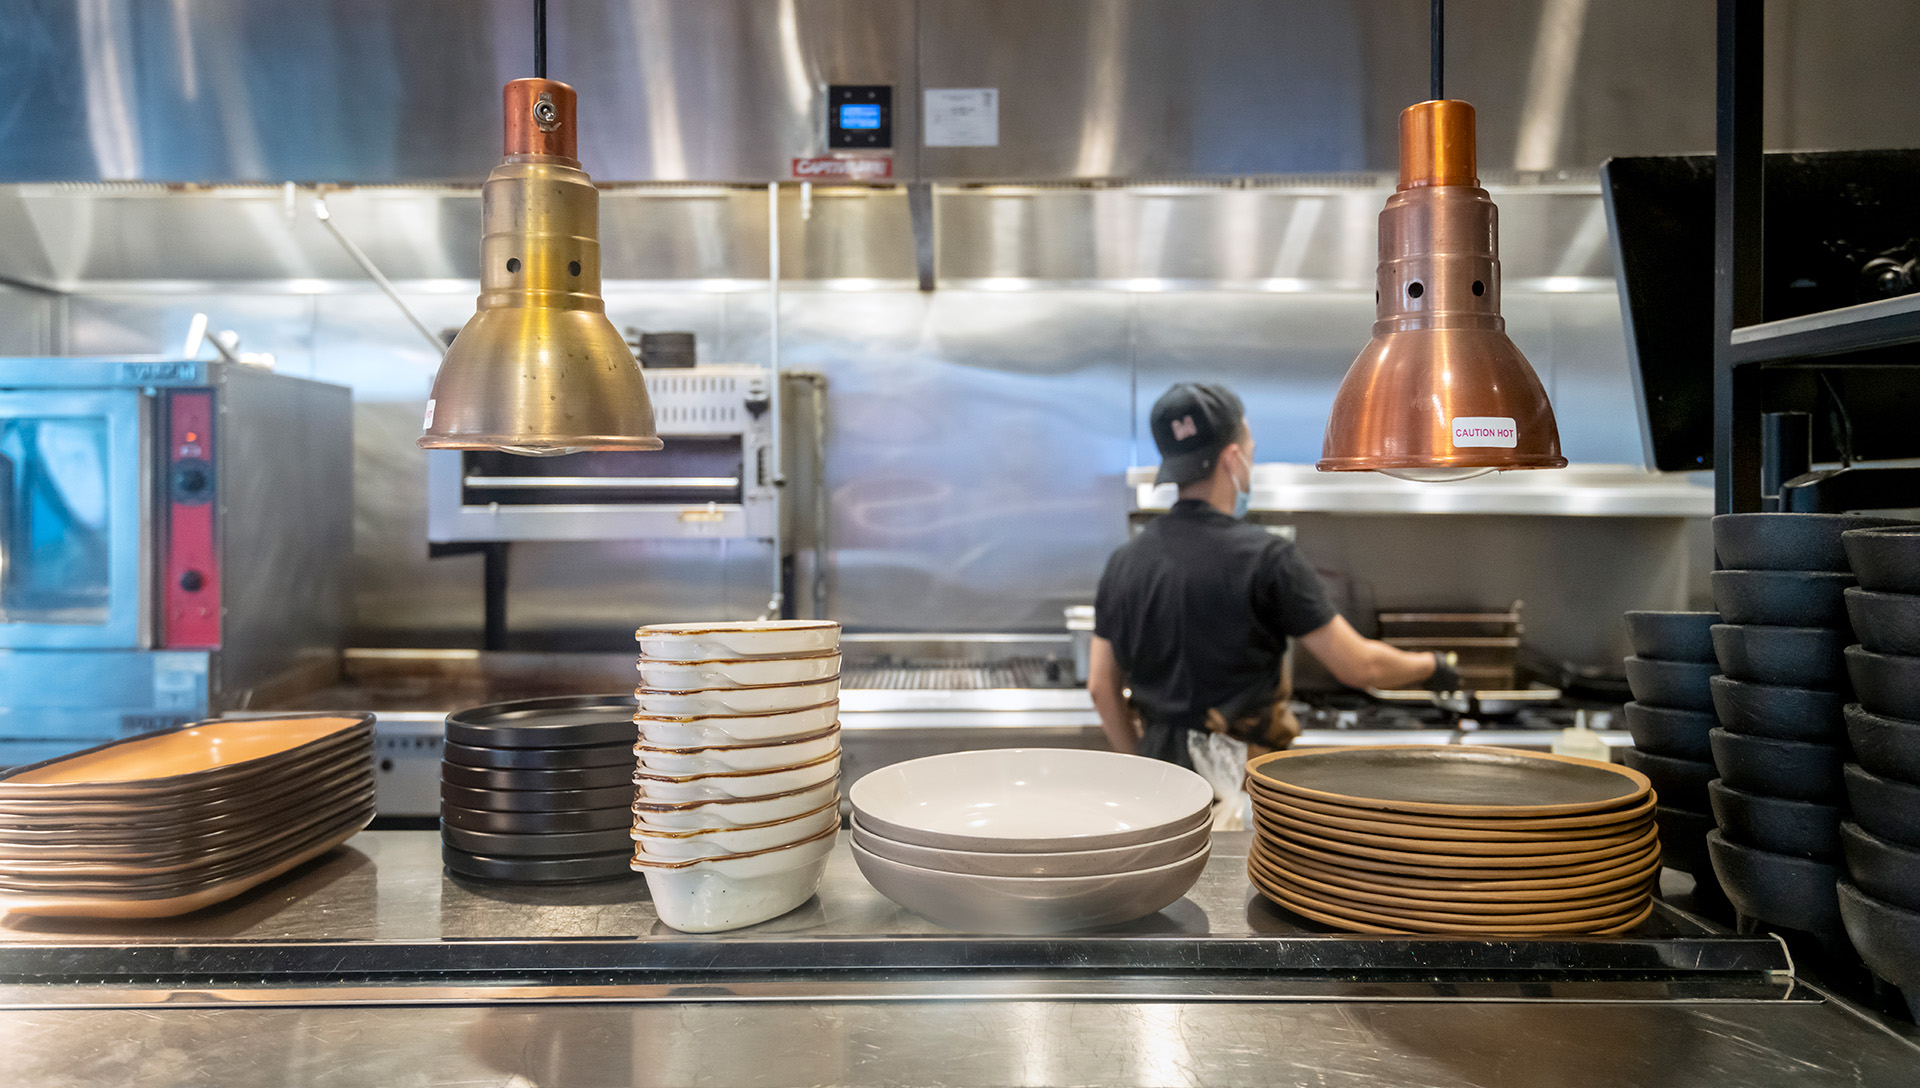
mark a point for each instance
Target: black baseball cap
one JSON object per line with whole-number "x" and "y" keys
{"x": 1191, "y": 423}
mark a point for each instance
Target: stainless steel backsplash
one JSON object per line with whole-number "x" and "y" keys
{"x": 977, "y": 435}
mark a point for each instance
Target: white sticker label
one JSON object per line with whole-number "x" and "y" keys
{"x": 429, "y": 421}
{"x": 963, "y": 117}
{"x": 1485, "y": 431}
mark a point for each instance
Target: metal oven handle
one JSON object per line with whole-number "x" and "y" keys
{"x": 634, "y": 483}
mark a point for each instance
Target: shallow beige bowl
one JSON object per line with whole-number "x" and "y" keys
{"x": 1119, "y": 859}
{"x": 1030, "y": 800}
{"x": 750, "y": 638}
{"x": 1024, "y": 905}
{"x": 737, "y": 757}
{"x": 721, "y": 842}
{"x": 771, "y": 699}
{"x": 713, "y": 787}
{"x": 737, "y": 672}
{"x": 714, "y": 894}
{"x": 696, "y": 730}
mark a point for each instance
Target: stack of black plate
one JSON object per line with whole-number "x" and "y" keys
{"x": 1781, "y": 741}
{"x": 1670, "y": 717}
{"x": 539, "y": 790}
{"x": 1881, "y": 843}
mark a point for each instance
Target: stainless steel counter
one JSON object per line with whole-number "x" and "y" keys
{"x": 373, "y": 966}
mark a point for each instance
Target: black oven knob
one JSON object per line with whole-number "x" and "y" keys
{"x": 191, "y": 481}
{"x": 193, "y": 581}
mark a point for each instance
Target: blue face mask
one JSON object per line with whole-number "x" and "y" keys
{"x": 1242, "y": 497}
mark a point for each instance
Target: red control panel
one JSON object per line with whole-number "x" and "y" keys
{"x": 191, "y": 593}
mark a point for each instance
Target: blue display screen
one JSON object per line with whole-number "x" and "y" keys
{"x": 859, "y": 117}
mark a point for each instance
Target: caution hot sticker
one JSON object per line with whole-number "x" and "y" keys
{"x": 1485, "y": 431}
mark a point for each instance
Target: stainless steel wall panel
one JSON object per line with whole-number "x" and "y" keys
{"x": 975, "y": 451}
{"x": 1151, "y": 88}
{"x": 286, "y": 535}
{"x": 732, "y": 90}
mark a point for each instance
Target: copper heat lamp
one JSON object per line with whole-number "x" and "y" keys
{"x": 1440, "y": 393}
{"x": 539, "y": 370}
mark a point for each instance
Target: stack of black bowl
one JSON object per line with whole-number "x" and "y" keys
{"x": 1669, "y": 718}
{"x": 1782, "y": 740}
{"x": 539, "y": 791}
{"x": 1881, "y": 905}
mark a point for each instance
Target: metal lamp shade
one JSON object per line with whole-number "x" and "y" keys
{"x": 539, "y": 370}
{"x": 1440, "y": 392}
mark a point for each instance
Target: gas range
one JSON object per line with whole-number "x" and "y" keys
{"x": 1348, "y": 711}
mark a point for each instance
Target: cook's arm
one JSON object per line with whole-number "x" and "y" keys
{"x": 1108, "y": 688}
{"x": 1361, "y": 662}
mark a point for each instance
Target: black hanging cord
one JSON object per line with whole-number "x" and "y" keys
{"x": 1439, "y": 61}
{"x": 540, "y": 38}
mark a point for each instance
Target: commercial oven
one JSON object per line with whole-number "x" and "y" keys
{"x": 714, "y": 479}
{"x": 175, "y": 537}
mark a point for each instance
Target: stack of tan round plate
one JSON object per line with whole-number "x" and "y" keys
{"x": 172, "y": 822}
{"x": 1448, "y": 839}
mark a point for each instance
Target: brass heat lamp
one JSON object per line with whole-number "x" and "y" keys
{"x": 1440, "y": 393}
{"x": 539, "y": 370}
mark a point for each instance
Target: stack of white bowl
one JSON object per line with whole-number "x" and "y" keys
{"x": 1032, "y": 840}
{"x": 737, "y": 768}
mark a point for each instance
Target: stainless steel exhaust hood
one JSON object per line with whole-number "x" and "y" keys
{"x": 735, "y": 91}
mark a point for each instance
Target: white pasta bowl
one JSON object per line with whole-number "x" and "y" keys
{"x": 737, "y": 672}
{"x": 697, "y": 731}
{"x": 1030, "y": 800}
{"x": 769, "y": 699}
{"x": 1118, "y": 859}
{"x": 705, "y": 787}
{"x": 719, "y": 842}
{"x": 737, "y": 757}
{"x": 707, "y": 895}
{"x": 1029, "y": 905}
{"x": 749, "y": 638}
{"x": 724, "y": 812}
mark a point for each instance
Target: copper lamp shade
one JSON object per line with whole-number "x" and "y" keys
{"x": 1440, "y": 392}
{"x": 539, "y": 370}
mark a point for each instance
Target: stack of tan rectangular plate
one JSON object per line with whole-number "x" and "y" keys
{"x": 737, "y": 770}
{"x": 1449, "y": 839}
{"x": 172, "y": 822}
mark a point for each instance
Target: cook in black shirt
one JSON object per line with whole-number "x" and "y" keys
{"x": 1194, "y": 613}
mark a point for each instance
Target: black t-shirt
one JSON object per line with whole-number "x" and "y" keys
{"x": 1199, "y": 608}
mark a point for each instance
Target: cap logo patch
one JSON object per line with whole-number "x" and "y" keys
{"x": 1184, "y": 428}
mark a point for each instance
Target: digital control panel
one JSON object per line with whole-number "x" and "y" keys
{"x": 860, "y": 116}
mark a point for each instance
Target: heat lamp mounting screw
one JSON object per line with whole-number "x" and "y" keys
{"x": 545, "y": 113}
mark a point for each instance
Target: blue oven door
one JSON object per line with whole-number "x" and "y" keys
{"x": 74, "y": 466}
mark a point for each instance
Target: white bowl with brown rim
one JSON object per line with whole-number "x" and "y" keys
{"x": 726, "y": 812}
{"x": 719, "y": 784}
{"x": 719, "y": 842}
{"x": 747, "y": 638}
{"x": 769, "y": 699}
{"x": 737, "y": 672}
{"x": 712, "y": 759}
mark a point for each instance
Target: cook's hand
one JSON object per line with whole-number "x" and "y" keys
{"x": 1445, "y": 677}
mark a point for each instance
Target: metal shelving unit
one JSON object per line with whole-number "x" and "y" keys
{"x": 1744, "y": 344}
